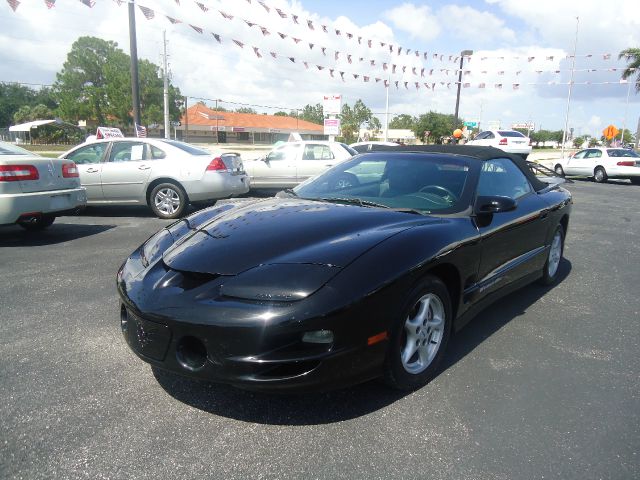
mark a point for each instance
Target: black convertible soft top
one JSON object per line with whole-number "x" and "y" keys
{"x": 479, "y": 152}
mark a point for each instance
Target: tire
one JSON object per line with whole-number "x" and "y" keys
{"x": 168, "y": 200}
{"x": 559, "y": 170}
{"x": 635, "y": 180}
{"x": 45, "y": 221}
{"x": 345, "y": 180}
{"x": 425, "y": 318}
{"x": 600, "y": 175}
{"x": 552, "y": 265}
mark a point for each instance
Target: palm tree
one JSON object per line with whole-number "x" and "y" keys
{"x": 633, "y": 55}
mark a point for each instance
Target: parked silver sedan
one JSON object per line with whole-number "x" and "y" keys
{"x": 291, "y": 163}
{"x": 34, "y": 190}
{"x": 167, "y": 175}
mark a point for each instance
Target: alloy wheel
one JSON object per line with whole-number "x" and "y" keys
{"x": 423, "y": 333}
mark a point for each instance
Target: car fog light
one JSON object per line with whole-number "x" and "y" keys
{"x": 318, "y": 336}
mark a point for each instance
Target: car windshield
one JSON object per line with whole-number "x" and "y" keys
{"x": 186, "y": 147}
{"x": 415, "y": 182}
{"x": 510, "y": 133}
{"x": 8, "y": 149}
{"x": 622, "y": 152}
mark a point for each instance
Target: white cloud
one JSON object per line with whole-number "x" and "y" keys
{"x": 419, "y": 22}
{"x": 471, "y": 24}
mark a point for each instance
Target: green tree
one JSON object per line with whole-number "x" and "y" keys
{"x": 352, "y": 119}
{"x": 437, "y": 124}
{"x": 579, "y": 141}
{"x": 313, "y": 114}
{"x": 402, "y": 121}
{"x": 246, "y": 110}
{"x": 95, "y": 83}
{"x": 632, "y": 55}
{"x": 92, "y": 75}
{"x": 281, "y": 114}
{"x": 14, "y": 96}
{"x": 28, "y": 113}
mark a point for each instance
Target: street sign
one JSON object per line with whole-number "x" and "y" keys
{"x": 332, "y": 126}
{"x": 331, "y": 105}
{"x": 610, "y": 132}
{"x": 471, "y": 124}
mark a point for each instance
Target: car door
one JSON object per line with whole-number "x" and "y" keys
{"x": 90, "y": 160}
{"x": 574, "y": 164}
{"x": 277, "y": 169}
{"x": 512, "y": 242}
{"x": 316, "y": 158}
{"x": 124, "y": 175}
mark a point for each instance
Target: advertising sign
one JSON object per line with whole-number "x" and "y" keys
{"x": 332, "y": 126}
{"x": 332, "y": 104}
{"x": 524, "y": 126}
{"x": 108, "y": 132}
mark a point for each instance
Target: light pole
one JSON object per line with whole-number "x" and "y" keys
{"x": 133, "y": 46}
{"x": 464, "y": 53}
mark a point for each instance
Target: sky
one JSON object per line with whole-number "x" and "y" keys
{"x": 526, "y": 47}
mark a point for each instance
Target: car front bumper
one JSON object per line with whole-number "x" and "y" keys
{"x": 254, "y": 345}
{"x": 16, "y": 205}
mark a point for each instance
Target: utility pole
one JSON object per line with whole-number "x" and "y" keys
{"x": 135, "y": 88}
{"x": 573, "y": 67}
{"x": 167, "y": 131}
{"x": 464, "y": 53}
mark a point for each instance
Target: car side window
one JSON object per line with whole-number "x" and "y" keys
{"x": 286, "y": 152}
{"x": 126, "y": 151}
{"x": 580, "y": 154}
{"x": 157, "y": 153}
{"x": 317, "y": 152}
{"x": 89, "y": 154}
{"x": 489, "y": 135}
{"x": 502, "y": 177}
{"x": 481, "y": 136}
{"x": 593, "y": 154}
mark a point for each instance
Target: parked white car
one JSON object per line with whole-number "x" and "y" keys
{"x": 34, "y": 190}
{"x": 601, "y": 163}
{"x": 510, "y": 141}
{"x": 167, "y": 175}
{"x": 291, "y": 163}
{"x": 363, "y": 147}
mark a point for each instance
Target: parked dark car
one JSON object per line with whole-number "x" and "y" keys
{"x": 337, "y": 282}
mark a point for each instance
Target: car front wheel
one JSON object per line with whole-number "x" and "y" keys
{"x": 419, "y": 336}
{"x": 168, "y": 200}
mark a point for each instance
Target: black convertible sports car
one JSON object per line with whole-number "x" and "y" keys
{"x": 364, "y": 271}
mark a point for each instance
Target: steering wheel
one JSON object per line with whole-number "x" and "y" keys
{"x": 439, "y": 190}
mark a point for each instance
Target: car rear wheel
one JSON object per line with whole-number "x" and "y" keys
{"x": 168, "y": 200}
{"x": 419, "y": 336}
{"x": 600, "y": 175}
{"x": 552, "y": 265}
{"x": 40, "y": 223}
{"x": 559, "y": 170}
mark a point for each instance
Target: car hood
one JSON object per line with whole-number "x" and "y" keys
{"x": 286, "y": 231}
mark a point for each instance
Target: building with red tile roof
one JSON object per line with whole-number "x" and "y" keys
{"x": 200, "y": 124}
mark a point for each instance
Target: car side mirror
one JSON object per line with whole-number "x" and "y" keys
{"x": 494, "y": 204}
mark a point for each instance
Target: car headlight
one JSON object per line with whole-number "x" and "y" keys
{"x": 283, "y": 282}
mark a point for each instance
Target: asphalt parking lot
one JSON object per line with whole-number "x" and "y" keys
{"x": 545, "y": 384}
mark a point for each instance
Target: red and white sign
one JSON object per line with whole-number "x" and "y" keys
{"x": 332, "y": 105}
{"x": 108, "y": 132}
{"x": 332, "y": 126}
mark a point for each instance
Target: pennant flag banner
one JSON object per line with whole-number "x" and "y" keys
{"x": 403, "y": 70}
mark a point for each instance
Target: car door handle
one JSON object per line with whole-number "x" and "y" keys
{"x": 92, "y": 170}
{"x": 144, "y": 167}
{"x": 328, "y": 164}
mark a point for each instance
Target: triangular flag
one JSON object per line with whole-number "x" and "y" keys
{"x": 173, "y": 20}
{"x": 239, "y": 43}
{"x": 256, "y": 51}
{"x": 203, "y": 7}
{"x": 147, "y": 12}
{"x": 281, "y": 13}
{"x": 13, "y": 4}
{"x": 197, "y": 29}
{"x": 51, "y": 3}
{"x": 217, "y": 37}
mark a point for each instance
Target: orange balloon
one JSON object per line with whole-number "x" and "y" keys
{"x": 457, "y": 133}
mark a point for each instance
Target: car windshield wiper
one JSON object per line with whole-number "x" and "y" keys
{"x": 353, "y": 201}
{"x": 410, "y": 210}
